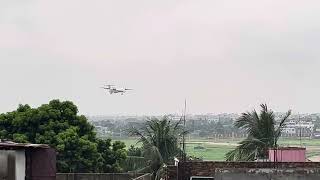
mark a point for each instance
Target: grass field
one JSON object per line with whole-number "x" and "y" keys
{"x": 297, "y": 142}
{"x": 215, "y": 149}
{"x": 209, "y": 151}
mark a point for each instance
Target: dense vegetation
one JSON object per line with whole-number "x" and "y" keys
{"x": 59, "y": 125}
{"x": 263, "y": 133}
{"x": 79, "y": 150}
{"x": 160, "y": 140}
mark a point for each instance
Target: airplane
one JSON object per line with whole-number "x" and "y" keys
{"x": 113, "y": 90}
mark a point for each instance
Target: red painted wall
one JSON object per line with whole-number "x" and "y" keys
{"x": 287, "y": 155}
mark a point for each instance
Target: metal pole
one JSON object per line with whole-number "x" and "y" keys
{"x": 300, "y": 131}
{"x": 184, "y": 129}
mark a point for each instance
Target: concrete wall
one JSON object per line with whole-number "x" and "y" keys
{"x": 263, "y": 174}
{"x": 3, "y": 164}
{"x": 12, "y": 164}
{"x": 208, "y": 168}
{"x": 144, "y": 177}
{"x": 171, "y": 172}
{"x": 96, "y": 176}
{"x": 20, "y": 164}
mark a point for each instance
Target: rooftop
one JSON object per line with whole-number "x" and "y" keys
{"x": 288, "y": 148}
{"x": 9, "y": 145}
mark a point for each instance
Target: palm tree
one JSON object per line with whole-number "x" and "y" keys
{"x": 263, "y": 133}
{"x": 160, "y": 140}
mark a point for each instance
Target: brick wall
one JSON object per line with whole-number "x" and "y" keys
{"x": 147, "y": 176}
{"x": 267, "y": 173}
{"x": 208, "y": 168}
{"x": 171, "y": 172}
{"x": 96, "y": 176}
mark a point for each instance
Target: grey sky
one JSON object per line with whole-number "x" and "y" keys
{"x": 223, "y": 56}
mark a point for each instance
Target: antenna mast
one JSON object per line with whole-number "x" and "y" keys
{"x": 184, "y": 129}
{"x": 300, "y": 133}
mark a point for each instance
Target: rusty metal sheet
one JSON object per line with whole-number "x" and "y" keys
{"x": 13, "y": 146}
{"x": 41, "y": 164}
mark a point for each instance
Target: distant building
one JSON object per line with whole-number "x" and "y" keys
{"x": 289, "y": 130}
{"x": 298, "y": 128}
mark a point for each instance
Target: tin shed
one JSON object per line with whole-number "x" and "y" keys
{"x": 27, "y": 161}
{"x": 287, "y": 154}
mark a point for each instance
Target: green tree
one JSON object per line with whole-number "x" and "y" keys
{"x": 316, "y": 124}
{"x": 263, "y": 133}
{"x": 59, "y": 125}
{"x": 112, "y": 155}
{"x": 160, "y": 140}
{"x": 219, "y": 128}
{"x": 135, "y": 151}
{"x": 134, "y": 160}
{"x": 79, "y": 153}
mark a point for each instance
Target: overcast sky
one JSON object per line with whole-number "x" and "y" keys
{"x": 222, "y": 55}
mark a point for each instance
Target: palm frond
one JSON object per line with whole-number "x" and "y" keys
{"x": 248, "y": 122}
{"x": 160, "y": 139}
{"x": 282, "y": 125}
{"x": 262, "y": 134}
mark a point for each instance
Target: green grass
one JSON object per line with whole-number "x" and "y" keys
{"x": 128, "y": 142}
{"x": 217, "y": 152}
{"x": 297, "y": 142}
{"x": 313, "y": 153}
{"x": 210, "y": 152}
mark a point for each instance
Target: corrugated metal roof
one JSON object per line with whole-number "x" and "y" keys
{"x": 288, "y": 148}
{"x": 13, "y": 145}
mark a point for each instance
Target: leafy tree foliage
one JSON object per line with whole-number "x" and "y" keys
{"x": 160, "y": 143}
{"x": 134, "y": 160}
{"x": 59, "y": 125}
{"x": 316, "y": 124}
{"x": 135, "y": 151}
{"x": 78, "y": 154}
{"x": 112, "y": 155}
{"x": 263, "y": 133}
